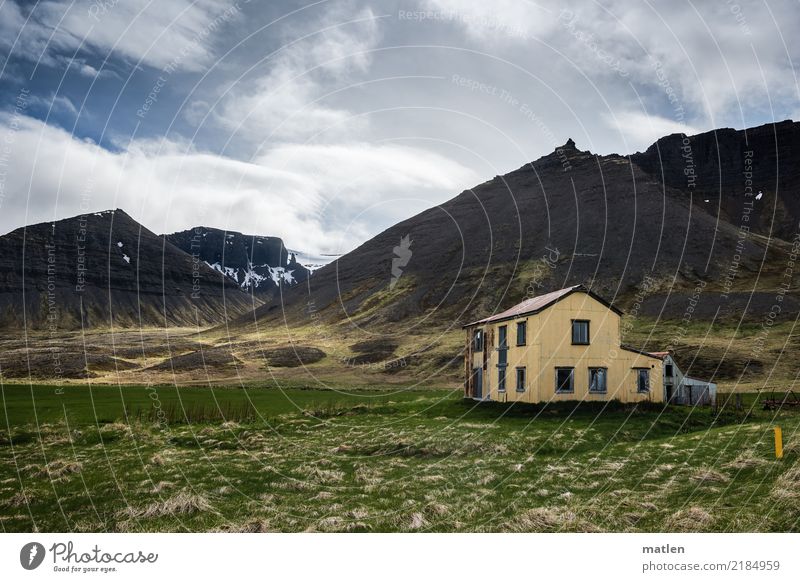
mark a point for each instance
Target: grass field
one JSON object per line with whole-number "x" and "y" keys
{"x": 265, "y": 459}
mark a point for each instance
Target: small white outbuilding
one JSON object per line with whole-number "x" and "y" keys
{"x": 682, "y": 389}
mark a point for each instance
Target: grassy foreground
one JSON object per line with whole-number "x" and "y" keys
{"x": 264, "y": 459}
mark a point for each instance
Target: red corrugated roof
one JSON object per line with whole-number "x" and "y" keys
{"x": 531, "y": 305}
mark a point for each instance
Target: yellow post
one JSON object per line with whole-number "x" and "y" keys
{"x": 778, "y": 443}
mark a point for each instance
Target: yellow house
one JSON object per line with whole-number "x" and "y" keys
{"x": 564, "y": 345}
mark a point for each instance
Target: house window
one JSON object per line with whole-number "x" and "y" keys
{"x": 565, "y": 380}
{"x": 521, "y": 333}
{"x": 668, "y": 370}
{"x": 597, "y": 379}
{"x": 580, "y": 332}
{"x": 643, "y": 380}
{"x": 477, "y": 340}
{"x": 502, "y": 357}
{"x": 521, "y": 379}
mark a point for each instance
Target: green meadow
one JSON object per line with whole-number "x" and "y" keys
{"x": 164, "y": 458}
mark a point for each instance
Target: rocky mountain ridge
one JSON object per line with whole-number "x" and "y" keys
{"x": 258, "y": 264}
{"x": 623, "y": 225}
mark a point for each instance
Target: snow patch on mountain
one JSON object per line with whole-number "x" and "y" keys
{"x": 227, "y": 271}
{"x": 281, "y": 274}
{"x": 251, "y": 278}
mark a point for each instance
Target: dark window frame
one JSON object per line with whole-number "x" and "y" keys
{"x": 588, "y": 332}
{"x": 524, "y": 326}
{"x": 504, "y": 336}
{"x": 638, "y": 376}
{"x": 477, "y": 340}
{"x": 502, "y": 357}
{"x": 669, "y": 371}
{"x": 605, "y": 380}
{"x": 524, "y": 378}
{"x": 571, "y": 389}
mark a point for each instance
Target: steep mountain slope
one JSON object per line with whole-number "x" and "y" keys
{"x": 259, "y": 264}
{"x": 570, "y": 217}
{"x": 100, "y": 269}
{"x": 752, "y": 172}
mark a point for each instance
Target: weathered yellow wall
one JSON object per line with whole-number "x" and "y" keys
{"x": 549, "y": 345}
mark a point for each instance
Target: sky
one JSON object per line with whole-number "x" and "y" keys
{"x": 326, "y": 122}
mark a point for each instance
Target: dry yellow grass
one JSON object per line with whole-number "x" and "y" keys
{"x": 418, "y": 521}
{"x": 541, "y": 519}
{"x": 183, "y": 503}
{"x": 787, "y": 486}
{"x": 690, "y": 519}
{"x": 745, "y": 461}
{"x": 161, "y": 486}
{"x": 258, "y": 525}
{"x": 60, "y": 468}
{"x": 702, "y": 476}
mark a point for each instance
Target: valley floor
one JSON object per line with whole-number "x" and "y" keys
{"x": 737, "y": 356}
{"x": 163, "y": 458}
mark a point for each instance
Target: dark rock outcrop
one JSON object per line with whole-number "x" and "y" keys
{"x": 105, "y": 269}
{"x": 725, "y": 170}
{"x": 258, "y": 264}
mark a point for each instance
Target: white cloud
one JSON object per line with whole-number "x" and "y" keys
{"x": 289, "y": 102}
{"x": 727, "y": 62}
{"x": 717, "y": 62}
{"x": 318, "y": 198}
{"x": 87, "y": 70}
{"x": 333, "y": 85}
{"x": 282, "y": 106}
{"x": 496, "y": 22}
{"x": 157, "y": 33}
{"x": 54, "y": 103}
{"x": 641, "y": 130}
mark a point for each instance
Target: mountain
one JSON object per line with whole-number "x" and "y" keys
{"x": 726, "y": 169}
{"x": 258, "y": 264}
{"x": 103, "y": 269}
{"x": 714, "y": 210}
{"x": 626, "y": 226}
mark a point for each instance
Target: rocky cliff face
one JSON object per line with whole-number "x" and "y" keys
{"x": 733, "y": 174}
{"x": 105, "y": 269}
{"x": 257, "y": 264}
